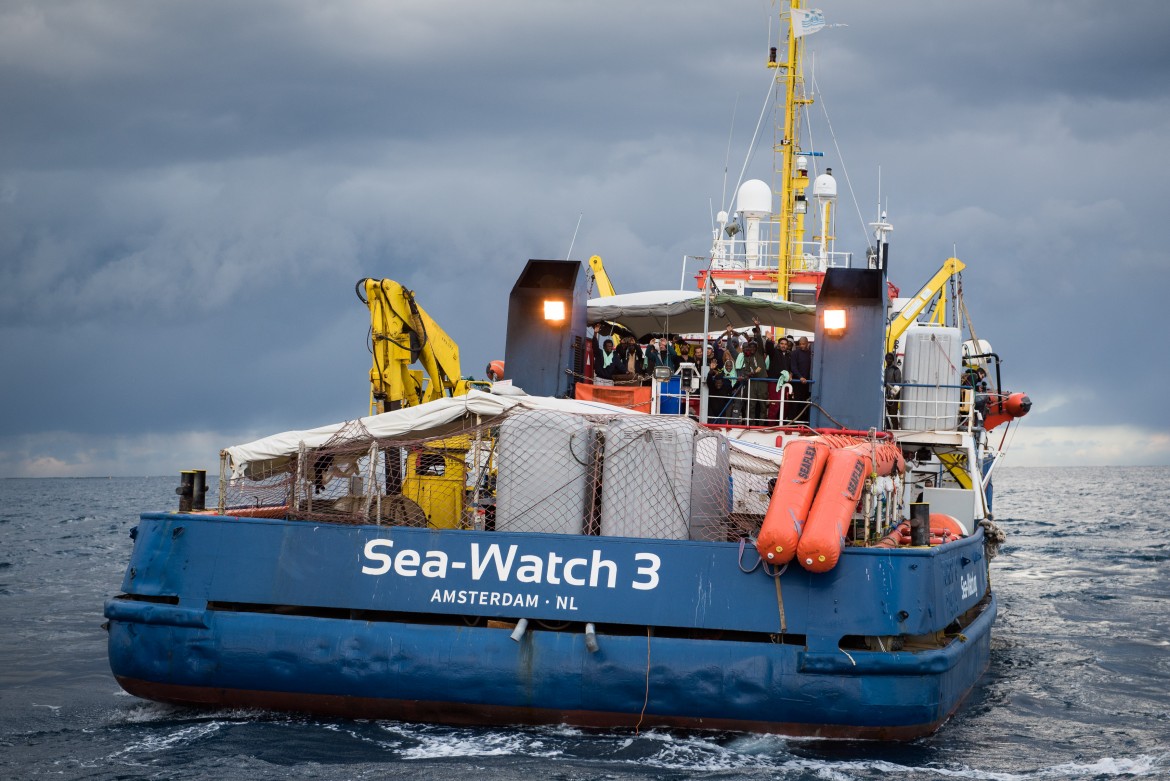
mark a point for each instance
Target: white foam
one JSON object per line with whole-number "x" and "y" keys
{"x": 153, "y": 744}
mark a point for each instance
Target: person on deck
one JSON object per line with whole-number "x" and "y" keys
{"x": 801, "y": 379}
{"x": 663, "y": 355}
{"x": 719, "y": 392}
{"x": 754, "y": 376}
{"x": 628, "y": 361}
{"x": 780, "y": 370}
{"x": 893, "y": 380}
{"x": 603, "y": 355}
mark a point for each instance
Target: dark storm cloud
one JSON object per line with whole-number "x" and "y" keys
{"x": 190, "y": 190}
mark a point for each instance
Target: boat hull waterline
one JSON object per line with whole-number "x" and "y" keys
{"x": 237, "y": 612}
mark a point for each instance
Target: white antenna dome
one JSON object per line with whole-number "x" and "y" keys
{"x": 754, "y": 198}
{"x": 721, "y": 217}
{"x": 825, "y": 186}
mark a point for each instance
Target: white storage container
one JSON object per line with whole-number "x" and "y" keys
{"x": 544, "y": 460}
{"x": 646, "y": 483}
{"x": 663, "y": 478}
{"x": 931, "y": 372}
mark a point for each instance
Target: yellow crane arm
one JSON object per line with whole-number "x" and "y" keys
{"x": 402, "y": 333}
{"x": 604, "y": 286}
{"x": 909, "y": 313}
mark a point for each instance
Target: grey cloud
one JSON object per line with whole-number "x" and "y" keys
{"x": 190, "y": 190}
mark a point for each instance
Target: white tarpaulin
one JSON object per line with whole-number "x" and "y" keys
{"x": 681, "y": 312}
{"x": 416, "y": 421}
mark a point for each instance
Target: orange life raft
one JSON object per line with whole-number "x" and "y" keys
{"x": 796, "y": 485}
{"x": 818, "y": 487}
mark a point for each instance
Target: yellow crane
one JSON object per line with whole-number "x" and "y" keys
{"x": 429, "y": 482}
{"x": 401, "y": 334}
{"x": 914, "y": 307}
{"x": 604, "y": 286}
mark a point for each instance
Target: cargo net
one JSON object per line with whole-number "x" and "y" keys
{"x": 528, "y": 471}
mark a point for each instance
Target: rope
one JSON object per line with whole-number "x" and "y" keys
{"x": 780, "y": 602}
{"x": 742, "y": 545}
{"x": 646, "y": 697}
{"x": 841, "y": 158}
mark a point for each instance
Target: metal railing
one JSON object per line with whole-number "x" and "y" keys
{"x": 738, "y": 406}
{"x": 734, "y": 253}
{"x": 934, "y": 408}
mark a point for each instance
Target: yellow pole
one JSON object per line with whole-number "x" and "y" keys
{"x": 792, "y": 181}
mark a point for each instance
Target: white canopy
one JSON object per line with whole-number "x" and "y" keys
{"x": 681, "y": 312}
{"x": 268, "y": 453}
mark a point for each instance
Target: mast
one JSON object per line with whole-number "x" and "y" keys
{"x": 793, "y": 176}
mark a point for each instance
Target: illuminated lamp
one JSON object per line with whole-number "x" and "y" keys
{"x": 835, "y": 322}
{"x": 554, "y": 311}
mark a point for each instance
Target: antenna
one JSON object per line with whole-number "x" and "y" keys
{"x": 574, "y": 241}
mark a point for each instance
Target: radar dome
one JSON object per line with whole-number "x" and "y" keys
{"x": 754, "y": 197}
{"x": 825, "y": 186}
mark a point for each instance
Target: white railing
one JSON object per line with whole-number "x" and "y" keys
{"x": 734, "y": 253}
{"x": 932, "y": 408}
{"x": 737, "y": 408}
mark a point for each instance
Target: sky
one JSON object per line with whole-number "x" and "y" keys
{"x": 189, "y": 191}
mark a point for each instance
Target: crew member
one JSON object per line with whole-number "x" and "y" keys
{"x": 801, "y": 379}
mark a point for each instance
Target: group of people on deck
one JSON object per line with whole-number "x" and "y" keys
{"x": 750, "y": 378}
{"x": 628, "y": 362}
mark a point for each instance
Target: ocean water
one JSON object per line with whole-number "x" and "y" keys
{"x": 1078, "y": 688}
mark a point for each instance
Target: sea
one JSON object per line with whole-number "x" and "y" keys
{"x": 1078, "y": 686}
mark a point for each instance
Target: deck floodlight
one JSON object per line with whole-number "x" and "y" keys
{"x": 801, "y": 206}
{"x": 661, "y": 373}
{"x": 554, "y": 311}
{"x": 835, "y": 322}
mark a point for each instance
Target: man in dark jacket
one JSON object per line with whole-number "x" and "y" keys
{"x": 662, "y": 354}
{"x": 719, "y": 392}
{"x": 779, "y": 366}
{"x": 603, "y": 357}
{"x": 801, "y": 379}
{"x": 893, "y": 378}
{"x": 628, "y": 360}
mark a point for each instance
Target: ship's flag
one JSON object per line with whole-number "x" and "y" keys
{"x": 806, "y": 21}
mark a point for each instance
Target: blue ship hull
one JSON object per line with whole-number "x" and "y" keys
{"x": 377, "y": 622}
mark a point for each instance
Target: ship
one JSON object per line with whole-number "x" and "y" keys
{"x": 614, "y": 545}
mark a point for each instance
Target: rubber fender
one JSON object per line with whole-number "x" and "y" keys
{"x": 841, "y": 485}
{"x": 796, "y": 486}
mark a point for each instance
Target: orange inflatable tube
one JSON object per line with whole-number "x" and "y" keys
{"x": 943, "y": 529}
{"x": 796, "y": 485}
{"x": 899, "y": 536}
{"x": 1002, "y": 410}
{"x": 823, "y": 538}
